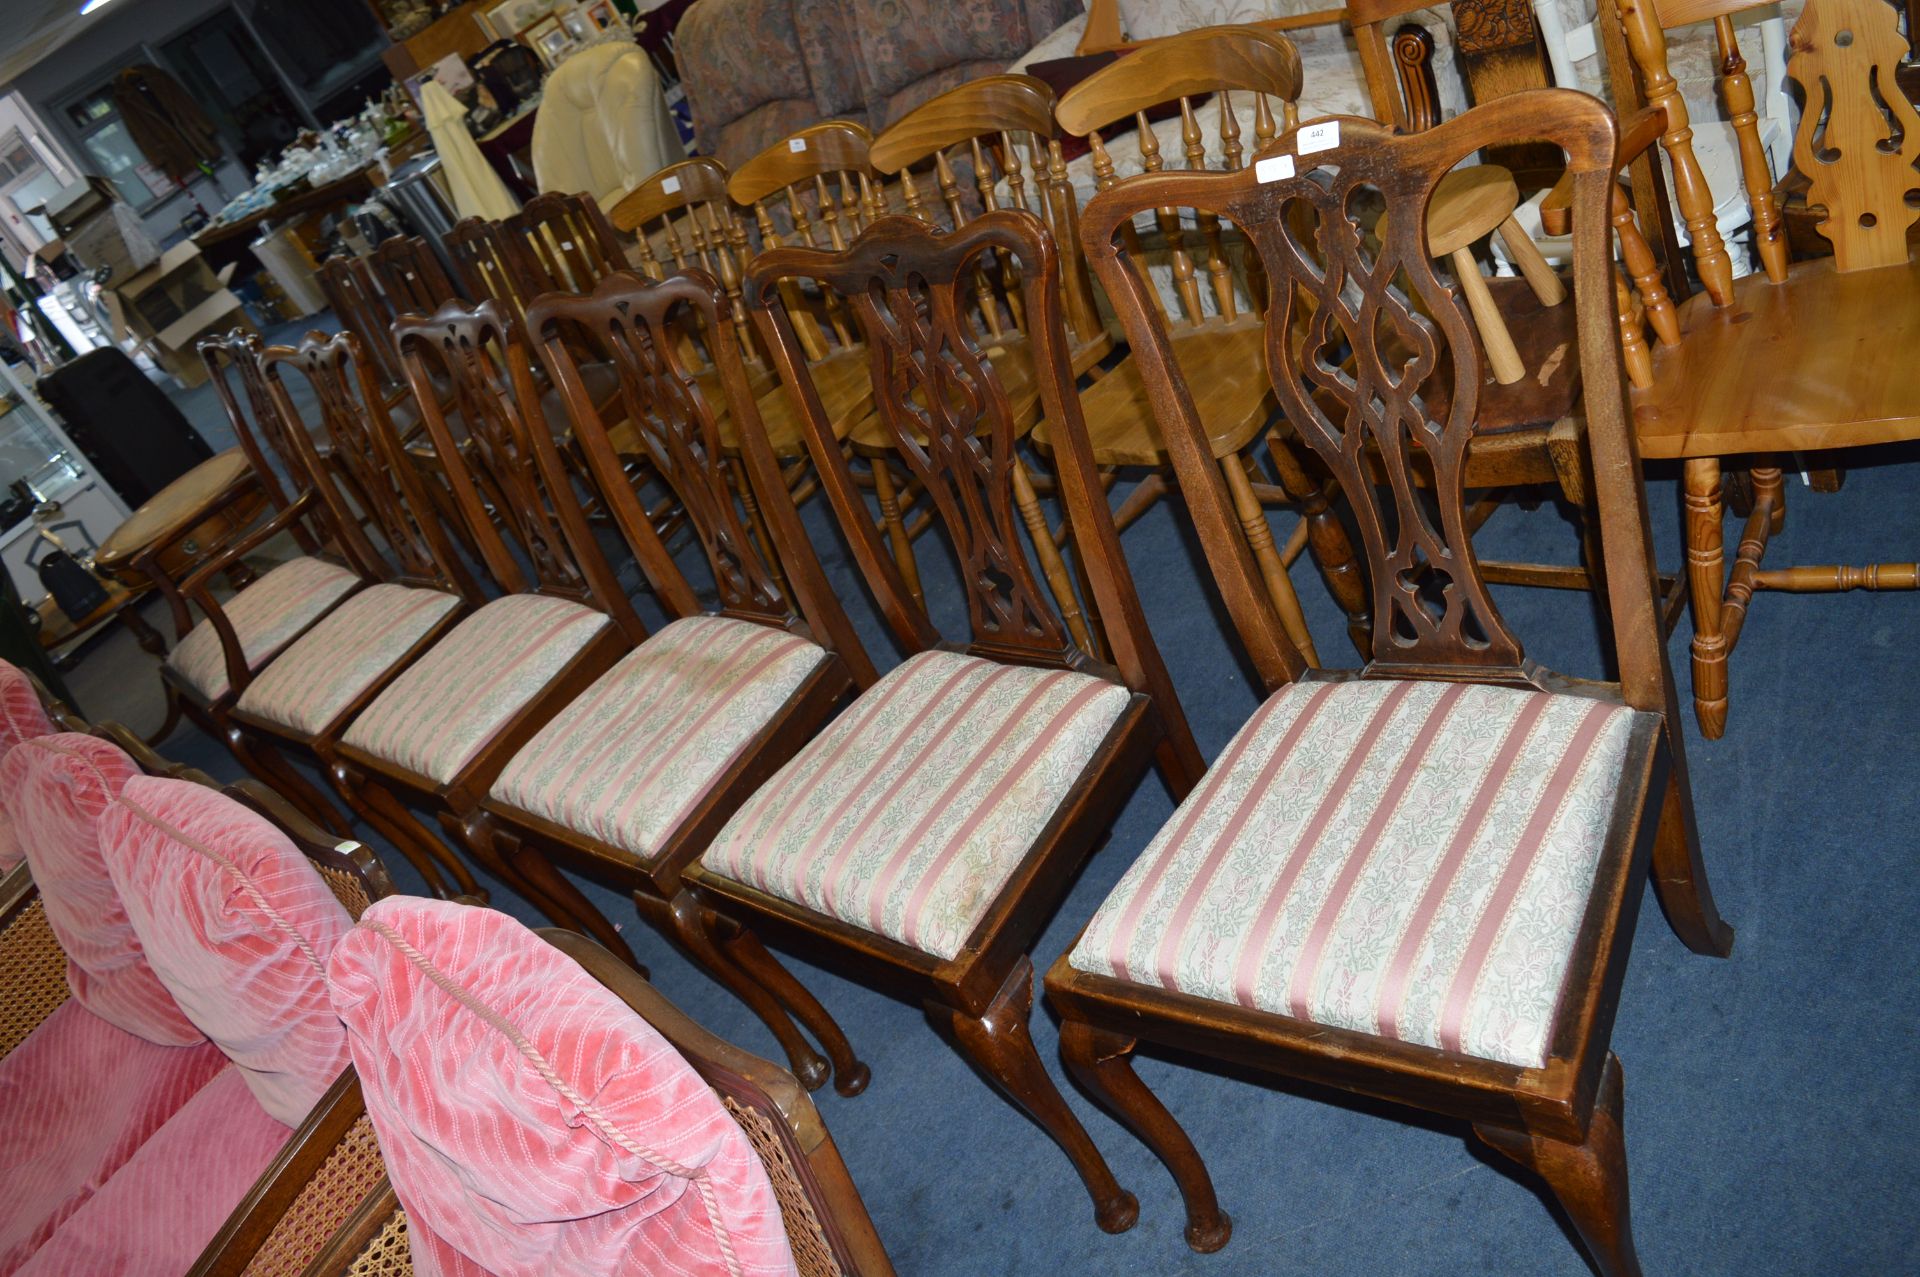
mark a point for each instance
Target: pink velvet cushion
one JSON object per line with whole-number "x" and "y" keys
{"x": 21, "y": 718}
{"x": 530, "y": 1121}
{"x": 159, "y": 1211}
{"x": 58, "y": 786}
{"x": 79, "y": 1097}
{"x": 239, "y": 926}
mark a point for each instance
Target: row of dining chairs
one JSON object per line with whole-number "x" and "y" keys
{"x": 1417, "y": 883}
{"x": 215, "y": 1016}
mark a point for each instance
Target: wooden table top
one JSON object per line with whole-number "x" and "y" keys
{"x": 181, "y": 502}
{"x": 336, "y": 191}
{"x": 1822, "y": 361}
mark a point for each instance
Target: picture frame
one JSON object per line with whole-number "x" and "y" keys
{"x": 602, "y": 15}
{"x": 506, "y": 20}
{"x": 577, "y": 24}
{"x": 548, "y": 38}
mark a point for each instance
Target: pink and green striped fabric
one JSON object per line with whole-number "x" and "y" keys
{"x": 627, "y": 761}
{"x": 265, "y": 617}
{"x": 1406, "y": 859}
{"x": 435, "y": 717}
{"x": 909, "y": 813}
{"x": 313, "y": 681}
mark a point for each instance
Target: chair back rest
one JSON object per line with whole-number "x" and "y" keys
{"x": 592, "y": 133}
{"x": 949, "y": 421}
{"x": 561, "y": 243}
{"x": 1399, "y": 78}
{"x": 256, "y": 423}
{"x": 1375, "y": 363}
{"x": 1215, "y": 60}
{"x": 819, "y": 184}
{"x": 479, "y": 250}
{"x": 363, "y": 310}
{"x": 367, "y": 472}
{"x": 685, "y": 207}
{"x": 630, "y": 323}
{"x": 1644, "y": 22}
{"x": 411, "y": 275}
{"x": 826, "y": 1221}
{"x": 533, "y": 538}
{"x": 980, "y": 129}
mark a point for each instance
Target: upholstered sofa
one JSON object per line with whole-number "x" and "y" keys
{"x": 756, "y": 70}
{"x": 166, "y": 1026}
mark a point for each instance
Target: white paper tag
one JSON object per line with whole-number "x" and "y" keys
{"x": 669, "y": 186}
{"x": 1274, "y": 168}
{"x": 1323, "y": 136}
{"x": 796, "y": 144}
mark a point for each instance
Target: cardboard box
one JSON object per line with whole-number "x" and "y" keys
{"x": 115, "y": 238}
{"x": 171, "y": 305}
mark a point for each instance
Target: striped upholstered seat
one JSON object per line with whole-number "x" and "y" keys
{"x": 435, "y": 717}
{"x": 265, "y": 617}
{"x": 311, "y": 682}
{"x": 1405, "y": 859}
{"x": 910, "y": 812}
{"x": 628, "y": 760}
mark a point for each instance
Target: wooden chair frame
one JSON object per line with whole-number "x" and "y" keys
{"x": 1562, "y": 1119}
{"x": 628, "y": 322}
{"x": 359, "y": 481}
{"x": 984, "y": 993}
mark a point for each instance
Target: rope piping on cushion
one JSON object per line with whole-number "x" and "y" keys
{"x": 247, "y": 884}
{"x": 67, "y": 751}
{"x": 551, "y": 1075}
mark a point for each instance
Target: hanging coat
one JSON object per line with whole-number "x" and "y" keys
{"x": 477, "y": 190}
{"x": 165, "y": 122}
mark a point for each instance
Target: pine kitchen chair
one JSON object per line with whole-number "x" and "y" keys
{"x": 1418, "y": 881}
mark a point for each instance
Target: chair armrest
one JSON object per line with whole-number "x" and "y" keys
{"x": 327, "y": 1172}
{"x": 196, "y": 580}
{"x": 1638, "y": 132}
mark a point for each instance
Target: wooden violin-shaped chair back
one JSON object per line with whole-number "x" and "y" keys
{"x": 1385, "y": 378}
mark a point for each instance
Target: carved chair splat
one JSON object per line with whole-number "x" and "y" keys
{"x": 216, "y": 658}
{"x": 625, "y": 817}
{"x": 1018, "y": 688}
{"x": 1770, "y": 365}
{"x": 980, "y": 129}
{"x": 412, "y": 576}
{"x": 1273, "y": 883}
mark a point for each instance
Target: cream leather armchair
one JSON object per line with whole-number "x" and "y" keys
{"x": 603, "y": 126}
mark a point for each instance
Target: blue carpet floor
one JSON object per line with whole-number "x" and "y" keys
{"x": 1770, "y": 1110}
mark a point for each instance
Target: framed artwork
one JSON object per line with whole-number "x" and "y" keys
{"x": 548, "y": 38}
{"x": 509, "y": 18}
{"x": 577, "y": 24}
{"x": 601, "y": 14}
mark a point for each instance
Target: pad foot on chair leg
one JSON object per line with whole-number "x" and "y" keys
{"x": 683, "y": 919}
{"x": 1101, "y": 1061}
{"x": 1588, "y": 1179}
{"x": 999, "y": 1042}
{"x": 850, "y": 1074}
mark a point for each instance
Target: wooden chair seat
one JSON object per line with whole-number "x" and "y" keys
{"x": 1223, "y": 360}
{"x": 845, "y": 392}
{"x": 1762, "y": 375}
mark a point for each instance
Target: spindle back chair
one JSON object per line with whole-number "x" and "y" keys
{"x": 1767, "y": 369}
{"x": 561, "y": 243}
{"x": 411, "y": 275}
{"x": 367, "y": 312}
{"x": 905, "y": 912}
{"x": 1216, "y": 327}
{"x": 1318, "y": 961}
